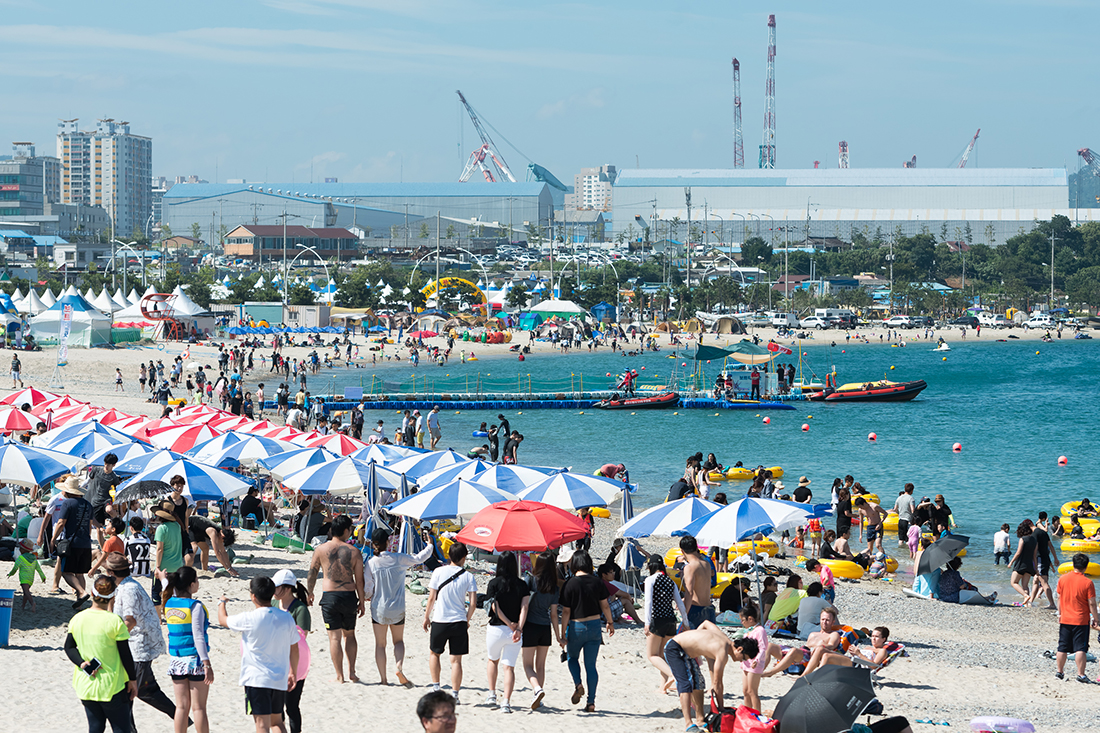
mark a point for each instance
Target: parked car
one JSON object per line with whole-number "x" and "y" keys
{"x": 1040, "y": 320}
{"x": 993, "y": 320}
{"x": 923, "y": 321}
{"x": 971, "y": 321}
{"x": 898, "y": 322}
{"x": 814, "y": 322}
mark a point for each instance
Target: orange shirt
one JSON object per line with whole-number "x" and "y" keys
{"x": 1074, "y": 592}
{"x": 114, "y": 544}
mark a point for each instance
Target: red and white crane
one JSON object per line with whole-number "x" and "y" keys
{"x": 1091, "y": 158}
{"x": 488, "y": 150}
{"x": 969, "y": 149}
{"x": 738, "y": 143}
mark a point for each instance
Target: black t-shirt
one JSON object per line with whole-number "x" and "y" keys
{"x": 251, "y": 505}
{"x": 77, "y": 514}
{"x": 509, "y": 594}
{"x": 940, "y": 515}
{"x": 731, "y": 599}
{"x": 582, "y": 594}
{"x": 842, "y": 518}
{"x": 679, "y": 490}
{"x": 802, "y": 494}
{"x": 198, "y": 525}
{"x": 505, "y": 428}
{"x": 1043, "y": 540}
{"x": 99, "y": 486}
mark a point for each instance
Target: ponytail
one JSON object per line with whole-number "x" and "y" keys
{"x": 300, "y": 593}
{"x": 178, "y": 580}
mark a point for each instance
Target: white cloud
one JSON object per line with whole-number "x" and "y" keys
{"x": 592, "y": 99}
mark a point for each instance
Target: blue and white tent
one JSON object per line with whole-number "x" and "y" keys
{"x": 89, "y": 326}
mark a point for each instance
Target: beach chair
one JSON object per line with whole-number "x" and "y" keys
{"x": 893, "y": 651}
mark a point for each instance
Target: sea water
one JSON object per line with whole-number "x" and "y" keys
{"x": 1014, "y": 406}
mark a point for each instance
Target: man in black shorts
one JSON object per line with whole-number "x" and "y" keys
{"x": 74, "y": 526}
{"x": 452, "y": 600}
{"x": 346, "y": 592}
{"x": 710, "y": 642}
{"x": 206, "y": 534}
{"x": 98, "y": 491}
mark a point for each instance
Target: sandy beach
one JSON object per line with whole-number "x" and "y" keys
{"x": 964, "y": 661}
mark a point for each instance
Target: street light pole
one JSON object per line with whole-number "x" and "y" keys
{"x": 316, "y": 254}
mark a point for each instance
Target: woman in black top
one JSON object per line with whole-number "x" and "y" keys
{"x": 542, "y": 623}
{"x": 507, "y": 616}
{"x": 1024, "y": 562}
{"x": 584, "y": 600}
{"x": 843, "y": 512}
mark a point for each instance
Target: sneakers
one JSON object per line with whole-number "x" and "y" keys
{"x": 537, "y": 702}
{"x": 1084, "y": 679}
{"x": 506, "y": 706}
{"x": 454, "y": 694}
{"x": 1059, "y": 675}
{"x": 436, "y": 688}
{"x": 491, "y": 700}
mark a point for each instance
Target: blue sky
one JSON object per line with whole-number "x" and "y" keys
{"x": 364, "y": 90}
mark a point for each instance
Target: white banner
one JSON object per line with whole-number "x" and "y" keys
{"x": 63, "y": 336}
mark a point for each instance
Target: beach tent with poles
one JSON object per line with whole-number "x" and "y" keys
{"x": 89, "y": 326}
{"x": 555, "y": 307}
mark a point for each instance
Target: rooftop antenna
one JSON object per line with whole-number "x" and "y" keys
{"x": 767, "y": 147}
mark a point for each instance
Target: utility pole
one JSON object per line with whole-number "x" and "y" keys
{"x": 687, "y": 198}
{"x": 1051, "y": 256}
{"x": 284, "y": 254}
{"x": 437, "y": 255}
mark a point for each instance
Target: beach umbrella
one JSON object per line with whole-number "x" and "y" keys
{"x": 143, "y": 462}
{"x": 111, "y": 416}
{"x": 343, "y": 476}
{"x": 573, "y": 491}
{"x": 181, "y": 437}
{"x": 29, "y": 395}
{"x": 232, "y": 422}
{"x": 142, "y": 490}
{"x": 141, "y": 430}
{"x": 422, "y": 334}
{"x": 410, "y": 540}
{"x": 255, "y": 426}
{"x": 744, "y": 518}
{"x": 457, "y": 499}
{"x": 280, "y": 433}
{"x": 26, "y": 466}
{"x": 201, "y": 418}
{"x": 215, "y": 445}
{"x": 424, "y": 463}
{"x": 664, "y": 519}
{"x": 626, "y": 508}
{"x": 80, "y": 413}
{"x": 58, "y": 404}
{"x": 940, "y": 552}
{"x": 294, "y": 460}
{"x": 828, "y": 700}
{"x": 13, "y": 420}
{"x": 337, "y": 443}
{"x": 202, "y": 409}
{"x": 88, "y": 444}
{"x": 521, "y": 526}
{"x": 468, "y": 470}
{"x": 385, "y": 453}
{"x": 50, "y": 438}
{"x": 124, "y": 452}
{"x": 246, "y": 450}
{"x": 506, "y": 478}
{"x": 203, "y": 483}
{"x": 132, "y": 425}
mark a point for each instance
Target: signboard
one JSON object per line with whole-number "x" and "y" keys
{"x": 63, "y": 336}
{"x": 9, "y": 187}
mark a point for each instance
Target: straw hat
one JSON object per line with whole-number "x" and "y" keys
{"x": 164, "y": 511}
{"x": 72, "y": 486}
{"x": 803, "y": 481}
{"x": 778, "y": 485}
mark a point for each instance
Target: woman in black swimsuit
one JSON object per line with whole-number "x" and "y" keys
{"x": 1025, "y": 561}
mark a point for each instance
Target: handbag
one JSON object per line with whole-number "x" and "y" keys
{"x": 61, "y": 547}
{"x": 747, "y": 720}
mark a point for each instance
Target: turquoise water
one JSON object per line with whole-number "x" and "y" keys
{"x": 1014, "y": 411}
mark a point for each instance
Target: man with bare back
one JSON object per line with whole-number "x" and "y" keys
{"x": 345, "y": 596}
{"x": 696, "y": 584}
{"x": 711, "y": 643}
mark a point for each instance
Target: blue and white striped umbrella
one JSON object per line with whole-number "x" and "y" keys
{"x": 410, "y": 542}
{"x": 457, "y": 499}
{"x": 141, "y": 463}
{"x": 246, "y": 449}
{"x": 26, "y": 466}
{"x": 343, "y": 476}
{"x": 123, "y": 452}
{"x": 51, "y": 437}
{"x": 420, "y": 465}
{"x": 202, "y": 482}
{"x": 469, "y": 470}
{"x": 385, "y": 454}
{"x": 744, "y": 518}
{"x": 86, "y": 444}
{"x": 512, "y": 479}
{"x": 294, "y": 460}
{"x": 572, "y": 491}
{"x": 626, "y": 509}
{"x": 664, "y": 519}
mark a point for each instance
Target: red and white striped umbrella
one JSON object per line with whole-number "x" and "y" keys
{"x": 182, "y": 438}
{"x": 142, "y": 431}
{"x": 111, "y": 416}
{"x": 337, "y": 443}
{"x": 281, "y": 433}
{"x": 29, "y": 395}
{"x": 13, "y": 420}
{"x": 257, "y": 426}
{"x": 80, "y": 413}
{"x": 132, "y": 424}
{"x": 303, "y": 438}
{"x": 197, "y": 409}
{"x": 59, "y": 404}
{"x": 202, "y": 418}
{"x": 229, "y": 422}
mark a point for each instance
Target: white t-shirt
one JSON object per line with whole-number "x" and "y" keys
{"x": 450, "y": 603}
{"x": 1000, "y": 541}
{"x": 433, "y": 420}
{"x": 268, "y": 634}
{"x": 53, "y": 507}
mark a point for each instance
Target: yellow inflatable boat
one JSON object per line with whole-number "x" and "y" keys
{"x": 1091, "y": 547}
{"x": 1093, "y": 570}
{"x": 743, "y": 548}
{"x": 1070, "y": 508}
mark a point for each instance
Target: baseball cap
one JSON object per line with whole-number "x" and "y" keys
{"x": 284, "y": 577}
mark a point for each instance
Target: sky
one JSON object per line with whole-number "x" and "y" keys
{"x": 364, "y": 90}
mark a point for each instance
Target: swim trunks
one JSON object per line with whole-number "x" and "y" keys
{"x": 339, "y": 609}
{"x": 659, "y": 627}
{"x": 685, "y": 670}
{"x": 698, "y": 614}
{"x": 873, "y": 533}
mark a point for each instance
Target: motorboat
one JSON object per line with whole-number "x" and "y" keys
{"x": 880, "y": 391}
{"x": 648, "y": 402}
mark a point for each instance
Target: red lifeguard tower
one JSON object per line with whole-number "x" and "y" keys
{"x": 158, "y": 308}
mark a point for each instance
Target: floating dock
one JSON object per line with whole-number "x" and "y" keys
{"x": 532, "y": 401}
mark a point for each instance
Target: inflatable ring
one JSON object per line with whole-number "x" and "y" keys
{"x": 480, "y": 434}
{"x": 890, "y": 524}
{"x": 672, "y": 556}
{"x": 745, "y": 548}
{"x": 724, "y": 581}
{"x": 716, "y": 476}
{"x": 1091, "y": 547}
{"x": 1070, "y": 508}
{"x": 160, "y": 347}
{"x": 600, "y": 511}
{"x": 740, "y": 474}
{"x": 1001, "y": 725}
{"x": 1089, "y": 524}
{"x": 891, "y": 565}
{"x": 869, "y": 497}
{"x": 1093, "y": 569}
{"x": 843, "y": 568}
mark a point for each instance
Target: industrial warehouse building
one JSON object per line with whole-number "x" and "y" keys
{"x": 375, "y": 208}
{"x": 996, "y": 203}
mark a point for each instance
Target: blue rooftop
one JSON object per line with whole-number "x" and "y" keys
{"x": 842, "y": 177}
{"x": 321, "y": 191}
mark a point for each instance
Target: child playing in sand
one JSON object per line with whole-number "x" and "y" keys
{"x": 27, "y": 565}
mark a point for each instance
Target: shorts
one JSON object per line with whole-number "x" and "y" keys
{"x": 815, "y": 537}
{"x": 873, "y": 533}
{"x": 535, "y": 635}
{"x": 616, "y": 607}
{"x": 452, "y": 635}
{"x": 435, "y": 432}
{"x": 376, "y": 622}
{"x": 664, "y": 627}
{"x": 685, "y": 670}
{"x": 264, "y": 701}
{"x": 1073, "y": 639}
{"x": 799, "y": 667}
{"x": 499, "y": 646}
{"x": 77, "y": 561}
{"x": 1044, "y": 566}
{"x": 339, "y": 609}
{"x": 99, "y": 514}
{"x": 698, "y": 614}
{"x": 186, "y": 668}
{"x": 15, "y": 376}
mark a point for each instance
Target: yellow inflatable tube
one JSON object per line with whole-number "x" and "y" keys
{"x": 600, "y": 511}
{"x": 844, "y": 568}
{"x": 672, "y": 556}
{"x": 743, "y": 548}
{"x": 1088, "y": 524}
{"x": 724, "y": 581}
{"x": 1093, "y": 569}
{"x": 1070, "y": 508}
{"x": 1091, "y": 547}
{"x": 891, "y": 565}
{"x": 890, "y": 524}
{"x": 748, "y": 474}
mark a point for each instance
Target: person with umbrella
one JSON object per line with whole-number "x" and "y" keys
{"x": 711, "y": 643}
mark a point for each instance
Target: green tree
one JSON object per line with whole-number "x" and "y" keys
{"x": 450, "y": 233}
{"x": 424, "y": 233}
{"x": 196, "y": 231}
{"x": 300, "y": 294}
{"x": 1084, "y": 286}
{"x": 165, "y": 231}
{"x": 517, "y": 297}
{"x": 755, "y": 252}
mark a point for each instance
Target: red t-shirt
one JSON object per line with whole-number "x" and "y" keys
{"x": 114, "y": 544}
{"x": 1074, "y": 592}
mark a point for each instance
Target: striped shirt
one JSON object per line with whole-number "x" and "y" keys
{"x": 139, "y": 552}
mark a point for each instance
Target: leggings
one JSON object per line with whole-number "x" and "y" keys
{"x": 293, "y": 707}
{"x": 117, "y": 710}
{"x": 586, "y": 637}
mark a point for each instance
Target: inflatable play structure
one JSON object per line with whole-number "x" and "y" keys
{"x": 435, "y": 285}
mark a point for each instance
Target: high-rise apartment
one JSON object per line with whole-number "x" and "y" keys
{"x": 27, "y": 182}
{"x": 592, "y": 189}
{"x": 108, "y": 167}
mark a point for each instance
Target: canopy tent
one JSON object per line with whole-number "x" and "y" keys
{"x": 31, "y": 304}
{"x": 603, "y": 312}
{"x": 528, "y": 321}
{"x": 89, "y": 326}
{"x": 743, "y": 351}
{"x": 555, "y": 307}
{"x": 48, "y": 298}
{"x": 104, "y": 303}
{"x": 667, "y": 327}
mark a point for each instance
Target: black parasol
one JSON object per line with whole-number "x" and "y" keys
{"x": 828, "y": 700}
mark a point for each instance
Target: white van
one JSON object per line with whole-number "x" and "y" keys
{"x": 785, "y": 320}
{"x": 1040, "y": 320}
{"x": 992, "y": 320}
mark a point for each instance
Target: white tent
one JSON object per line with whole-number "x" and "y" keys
{"x": 89, "y": 296}
{"x": 16, "y": 296}
{"x": 554, "y": 306}
{"x": 89, "y": 326}
{"x": 133, "y": 298}
{"x": 104, "y": 303}
{"x": 48, "y": 298}
{"x": 71, "y": 291}
{"x": 31, "y": 304}
{"x": 120, "y": 299}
